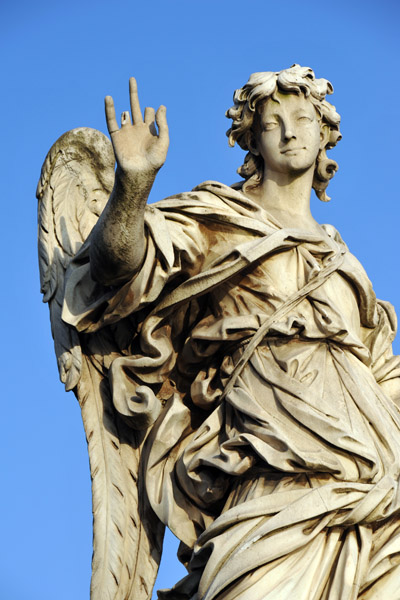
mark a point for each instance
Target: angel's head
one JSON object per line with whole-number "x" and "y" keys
{"x": 250, "y": 110}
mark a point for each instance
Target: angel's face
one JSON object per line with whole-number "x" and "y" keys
{"x": 288, "y": 135}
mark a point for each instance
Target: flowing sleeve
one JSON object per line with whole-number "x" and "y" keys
{"x": 385, "y": 366}
{"x": 176, "y": 247}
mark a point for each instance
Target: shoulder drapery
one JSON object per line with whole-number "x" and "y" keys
{"x": 311, "y": 403}
{"x": 196, "y": 241}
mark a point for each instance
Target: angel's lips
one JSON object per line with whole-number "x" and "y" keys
{"x": 291, "y": 150}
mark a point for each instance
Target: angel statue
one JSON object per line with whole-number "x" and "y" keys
{"x": 232, "y": 363}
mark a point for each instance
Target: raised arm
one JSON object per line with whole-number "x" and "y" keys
{"x": 118, "y": 241}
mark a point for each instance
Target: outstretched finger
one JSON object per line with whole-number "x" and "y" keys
{"x": 112, "y": 124}
{"x": 161, "y": 120}
{"x": 148, "y": 114}
{"x": 134, "y": 98}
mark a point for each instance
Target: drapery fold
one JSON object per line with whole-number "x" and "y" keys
{"x": 296, "y": 471}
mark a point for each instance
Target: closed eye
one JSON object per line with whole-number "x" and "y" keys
{"x": 270, "y": 125}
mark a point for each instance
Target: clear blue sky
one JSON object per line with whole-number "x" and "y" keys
{"x": 59, "y": 60}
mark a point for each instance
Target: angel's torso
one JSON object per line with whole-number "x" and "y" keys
{"x": 237, "y": 307}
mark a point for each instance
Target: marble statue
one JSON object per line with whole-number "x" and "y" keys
{"x": 233, "y": 365}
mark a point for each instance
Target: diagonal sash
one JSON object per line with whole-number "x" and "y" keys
{"x": 291, "y": 302}
{"x": 231, "y": 263}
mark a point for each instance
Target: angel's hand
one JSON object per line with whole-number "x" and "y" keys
{"x": 138, "y": 148}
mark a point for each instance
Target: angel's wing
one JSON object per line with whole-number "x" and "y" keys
{"x": 76, "y": 180}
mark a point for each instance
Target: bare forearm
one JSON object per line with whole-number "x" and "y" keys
{"x": 118, "y": 240}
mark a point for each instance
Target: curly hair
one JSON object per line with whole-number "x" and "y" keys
{"x": 262, "y": 86}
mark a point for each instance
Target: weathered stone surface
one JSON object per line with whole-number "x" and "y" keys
{"x": 232, "y": 362}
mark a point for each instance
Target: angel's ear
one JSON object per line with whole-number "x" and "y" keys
{"x": 324, "y": 136}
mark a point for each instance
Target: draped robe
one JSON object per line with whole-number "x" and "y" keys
{"x": 289, "y": 485}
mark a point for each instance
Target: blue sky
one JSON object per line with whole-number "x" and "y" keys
{"x": 59, "y": 60}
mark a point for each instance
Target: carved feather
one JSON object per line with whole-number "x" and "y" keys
{"x": 76, "y": 180}
{"x": 125, "y": 553}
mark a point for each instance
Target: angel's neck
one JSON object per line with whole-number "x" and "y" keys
{"x": 286, "y": 197}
